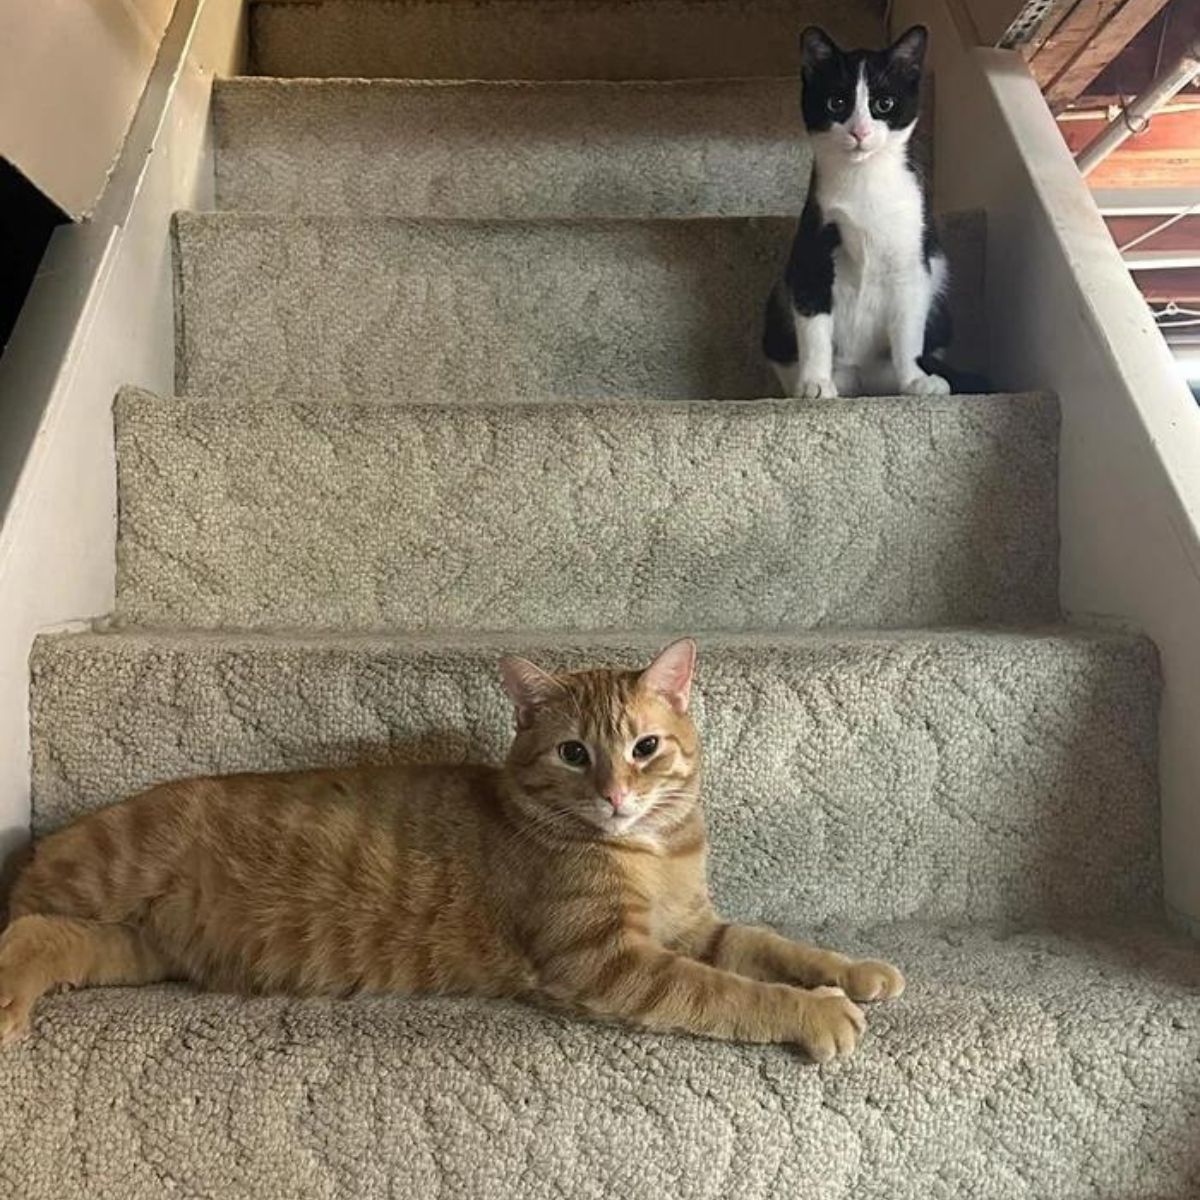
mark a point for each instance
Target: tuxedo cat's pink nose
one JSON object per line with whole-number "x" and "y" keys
{"x": 860, "y": 133}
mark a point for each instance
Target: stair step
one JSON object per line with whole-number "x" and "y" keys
{"x": 731, "y": 515}
{"x": 441, "y": 309}
{"x": 1064, "y": 1057}
{"x": 954, "y": 775}
{"x": 469, "y": 149}
{"x": 548, "y": 39}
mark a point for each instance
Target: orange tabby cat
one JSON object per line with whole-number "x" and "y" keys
{"x": 574, "y": 875}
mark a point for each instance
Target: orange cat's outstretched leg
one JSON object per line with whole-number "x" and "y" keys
{"x": 38, "y": 953}
{"x": 763, "y": 954}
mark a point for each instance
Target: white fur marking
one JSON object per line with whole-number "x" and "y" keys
{"x": 814, "y": 355}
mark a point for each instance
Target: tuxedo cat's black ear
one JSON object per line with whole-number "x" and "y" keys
{"x": 528, "y": 687}
{"x": 908, "y": 50}
{"x": 816, "y": 48}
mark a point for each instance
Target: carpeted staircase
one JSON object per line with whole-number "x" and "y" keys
{"x": 472, "y": 366}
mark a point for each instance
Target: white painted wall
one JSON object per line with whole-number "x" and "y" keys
{"x": 1065, "y": 315}
{"x": 71, "y": 75}
{"x": 100, "y": 314}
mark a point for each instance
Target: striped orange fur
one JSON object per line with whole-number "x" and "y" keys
{"x": 573, "y": 875}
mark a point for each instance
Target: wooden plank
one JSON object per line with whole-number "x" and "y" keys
{"x": 1114, "y": 99}
{"x": 1122, "y": 26}
{"x": 1167, "y": 133}
{"x": 1182, "y": 286}
{"x": 1182, "y": 237}
{"x": 1073, "y": 33}
{"x": 1134, "y": 172}
{"x": 1162, "y": 41}
{"x": 1166, "y": 155}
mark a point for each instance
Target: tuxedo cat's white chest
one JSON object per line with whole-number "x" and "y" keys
{"x": 879, "y": 266}
{"x": 879, "y": 211}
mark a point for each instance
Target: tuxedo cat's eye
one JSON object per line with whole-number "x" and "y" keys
{"x": 838, "y": 106}
{"x": 882, "y": 105}
{"x": 645, "y": 747}
{"x": 574, "y": 754}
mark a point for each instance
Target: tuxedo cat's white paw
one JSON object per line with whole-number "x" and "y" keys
{"x": 925, "y": 385}
{"x": 816, "y": 389}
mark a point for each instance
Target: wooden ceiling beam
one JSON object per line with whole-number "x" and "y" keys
{"x": 1130, "y": 172}
{"x": 1111, "y": 35}
{"x": 1165, "y": 133}
{"x": 1162, "y": 287}
{"x": 1069, "y": 37}
{"x": 1183, "y": 236}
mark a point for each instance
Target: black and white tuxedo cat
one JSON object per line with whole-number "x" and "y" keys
{"x": 861, "y": 305}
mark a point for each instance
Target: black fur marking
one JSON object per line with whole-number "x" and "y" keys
{"x": 809, "y": 271}
{"x": 939, "y": 328}
{"x": 807, "y": 280}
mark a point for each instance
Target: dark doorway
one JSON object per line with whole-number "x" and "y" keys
{"x": 27, "y": 219}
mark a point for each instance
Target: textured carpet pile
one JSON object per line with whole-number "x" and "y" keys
{"x": 468, "y": 364}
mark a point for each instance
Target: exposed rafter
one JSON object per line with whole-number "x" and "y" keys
{"x": 1086, "y": 38}
{"x": 1075, "y": 28}
{"x": 1109, "y": 39}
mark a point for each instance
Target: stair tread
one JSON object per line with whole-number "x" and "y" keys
{"x": 570, "y": 641}
{"x": 510, "y": 148}
{"x": 864, "y": 776}
{"x": 1056, "y": 1062}
{"x": 540, "y": 515}
{"x": 608, "y": 39}
{"x": 337, "y": 305}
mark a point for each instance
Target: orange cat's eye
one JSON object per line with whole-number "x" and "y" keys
{"x": 645, "y": 747}
{"x": 574, "y": 754}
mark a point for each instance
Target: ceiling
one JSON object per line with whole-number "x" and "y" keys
{"x": 1093, "y": 59}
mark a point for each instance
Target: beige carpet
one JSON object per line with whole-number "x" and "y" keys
{"x": 1017, "y": 1066}
{"x": 359, "y": 515}
{"x": 662, "y": 148}
{"x": 496, "y": 310}
{"x": 545, "y": 39}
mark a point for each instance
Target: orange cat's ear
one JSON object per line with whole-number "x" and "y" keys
{"x": 670, "y": 674}
{"x": 527, "y": 685}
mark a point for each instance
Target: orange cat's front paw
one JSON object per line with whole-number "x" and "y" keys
{"x": 830, "y": 1024}
{"x": 868, "y": 979}
{"x": 14, "y": 1014}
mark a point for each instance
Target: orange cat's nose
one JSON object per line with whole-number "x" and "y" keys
{"x": 618, "y": 797}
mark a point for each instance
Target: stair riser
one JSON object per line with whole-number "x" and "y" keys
{"x": 888, "y": 513}
{"x": 559, "y": 39}
{"x": 433, "y": 310}
{"x": 715, "y": 148}
{"x": 952, "y": 776}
